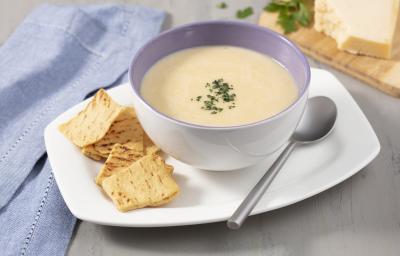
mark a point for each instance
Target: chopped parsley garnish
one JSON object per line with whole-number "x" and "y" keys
{"x": 292, "y": 14}
{"x": 219, "y": 94}
{"x": 222, "y": 5}
{"x": 246, "y": 12}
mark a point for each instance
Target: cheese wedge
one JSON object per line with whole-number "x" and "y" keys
{"x": 359, "y": 26}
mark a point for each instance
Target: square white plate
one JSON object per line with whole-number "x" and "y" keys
{"x": 213, "y": 196}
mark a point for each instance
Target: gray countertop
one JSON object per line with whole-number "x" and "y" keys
{"x": 360, "y": 216}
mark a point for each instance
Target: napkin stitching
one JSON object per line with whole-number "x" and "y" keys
{"x": 24, "y": 133}
{"x": 44, "y": 112}
{"x": 29, "y": 237}
{"x": 126, "y": 23}
{"x": 67, "y": 32}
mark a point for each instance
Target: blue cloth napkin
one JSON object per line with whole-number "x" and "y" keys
{"x": 57, "y": 55}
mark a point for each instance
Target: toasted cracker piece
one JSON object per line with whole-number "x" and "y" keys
{"x": 92, "y": 124}
{"x": 149, "y": 146}
{"x": 121, "y": 156}
{"x": 147, "y": 182}
{"x": 90, "y": 152}
{"x": 126, "y": 128}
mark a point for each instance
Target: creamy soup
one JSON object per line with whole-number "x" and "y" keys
{"x": 218, "y": 86}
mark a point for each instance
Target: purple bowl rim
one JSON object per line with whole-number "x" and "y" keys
{"x": 235, "y": 23}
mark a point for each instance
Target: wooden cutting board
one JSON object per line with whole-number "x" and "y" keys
{"x": 381, "y": 74}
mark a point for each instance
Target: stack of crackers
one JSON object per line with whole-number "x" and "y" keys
{"x": 133, "y": 175}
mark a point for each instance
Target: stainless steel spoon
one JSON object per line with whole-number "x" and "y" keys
{"x": 317, "y": 122}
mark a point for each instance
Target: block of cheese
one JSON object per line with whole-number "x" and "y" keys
{"x": 359, "y": 26}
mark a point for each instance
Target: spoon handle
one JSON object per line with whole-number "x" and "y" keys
{"x": 251, "y": 200}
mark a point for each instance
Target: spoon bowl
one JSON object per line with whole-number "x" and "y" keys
{"x": 317, "y": 121}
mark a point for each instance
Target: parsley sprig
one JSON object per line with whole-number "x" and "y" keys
{"x": 219, "y": 93}
{"x": 292, "y": 14}
{"x": 246, "y": 12}
{"x": 222, "y": 5}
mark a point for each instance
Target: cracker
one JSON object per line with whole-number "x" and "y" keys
{"x": 125, "y": 128}
{"x": 147, "y": 182}
{"x": 149, "y": 146}
{"x": 121, "y": 156}
{"x": 90, "y": 152}
{"x": 92, "y": 124}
